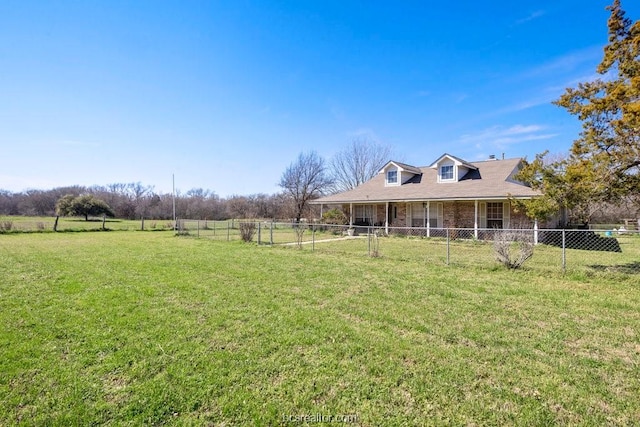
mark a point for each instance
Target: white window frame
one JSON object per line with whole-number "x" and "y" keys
{"x": 495, "y": 215}
{"x": 442, "y": 172}
{"x": 365, "y": 213}
{"x": 393, "y": 172}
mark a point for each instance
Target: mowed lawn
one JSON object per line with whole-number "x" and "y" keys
{"x": 145, "y": 328}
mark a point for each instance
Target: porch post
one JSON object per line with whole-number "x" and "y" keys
{"x": 350, "y": 215}
{"x": 428, "y": 219}
{"x": 475, "y": 220}
{"x": 386, "y": 218}
{"x": 424, "y": 215}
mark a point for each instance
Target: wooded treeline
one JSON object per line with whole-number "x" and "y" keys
{"x": 135, "y": 201}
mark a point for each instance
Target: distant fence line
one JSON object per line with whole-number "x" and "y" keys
{"x": 18, "y": 224}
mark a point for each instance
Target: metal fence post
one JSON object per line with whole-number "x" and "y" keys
{"x": 271, "y": 233}
{"x": 564, "y": 251}
{"x": 313, "y": 237}
{"x": 198, "y": 222}
{"x": 448, "y": 247}
{"x": 369, "y": 241}
{"x": 259, "y": 231}
{"x": 228, "y": 230}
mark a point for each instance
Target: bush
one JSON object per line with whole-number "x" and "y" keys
{"x": 513, "y": 247}
{"x": 6, "y": 226}
{"x": 247, "y": 231}
{"x": 334, "y": 216}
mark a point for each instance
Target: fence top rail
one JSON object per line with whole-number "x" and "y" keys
{"x": 618, "y": 231}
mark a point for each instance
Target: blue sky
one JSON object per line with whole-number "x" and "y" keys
{"x": 226, "y": 94}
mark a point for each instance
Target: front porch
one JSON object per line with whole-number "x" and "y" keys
{"x": 474, "y": 215}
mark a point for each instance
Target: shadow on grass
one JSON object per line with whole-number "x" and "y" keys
{"x": 629, "y": 268}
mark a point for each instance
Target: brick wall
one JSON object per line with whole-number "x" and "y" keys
{"x": 381, "y": 213}
{"x": 455, "y": 215}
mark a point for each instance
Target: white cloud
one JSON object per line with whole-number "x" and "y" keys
{"x": 364, "y": 133}
{"x": 533, "y": 15}
{"x": 459, "y": 97}
{"x": 500, "y": 137}
{"x": 568, "y": 62}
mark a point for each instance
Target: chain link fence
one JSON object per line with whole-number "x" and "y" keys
{"x": 612, "y": 250}
{"x": 609, "y": 251}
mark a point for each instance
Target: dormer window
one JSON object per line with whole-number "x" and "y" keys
{"x": 446, "y": 172}
{"x": 451, "y": 169}
{"x": 397, "y": 174}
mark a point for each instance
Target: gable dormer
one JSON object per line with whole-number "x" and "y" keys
{"x": 396, "y": 173}
{"x": 451, "y": 169}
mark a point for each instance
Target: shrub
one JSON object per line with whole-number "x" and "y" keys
{"x": 247, "y": 231}
{"x": 334, "y": 216}
{"x": 6, "y": 226}
{"x": 513, "y": 247}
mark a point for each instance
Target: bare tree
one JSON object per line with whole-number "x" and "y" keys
{"x": 304, "y": 180}
{"x": 241, "y": 207}
{"x": 358, "y": 163}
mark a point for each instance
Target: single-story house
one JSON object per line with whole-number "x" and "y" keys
{"x": 449, "y": 193}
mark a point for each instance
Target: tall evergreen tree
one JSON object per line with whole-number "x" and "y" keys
{"x": 608, "y": 149}
{"x": 604, "y": 161}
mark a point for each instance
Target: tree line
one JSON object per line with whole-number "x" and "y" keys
{"x": 308, "y": 177}
{"x": 135, "y": 201}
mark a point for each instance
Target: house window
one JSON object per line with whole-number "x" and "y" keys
{"x": 446, "y": 172}
{"x": 364, "y": 215}
{"x": 392, "y": 177}
{"x": 494, "y": 215}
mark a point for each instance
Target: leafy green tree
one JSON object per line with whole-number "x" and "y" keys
{"x": 334, "y": 216}
{"x": 564, "y": 184}
{"x": 604, "y": 162}
{"x": 64, "y": 205}
{"x": 85, "y": 205}
{"x": 608, "y": 149}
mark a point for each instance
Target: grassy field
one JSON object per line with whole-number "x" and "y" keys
{"x": 13, "y": 224}
{"x": 130, "y": 328}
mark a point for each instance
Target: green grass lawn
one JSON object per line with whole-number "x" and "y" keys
{"x": 131, "y": 328}
{"x": 35, "y": 224}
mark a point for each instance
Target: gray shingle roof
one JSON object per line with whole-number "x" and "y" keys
{"x": 405, "y": 166}
{"x": 491, "y": 180}
{"x": 458, "y": 159}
